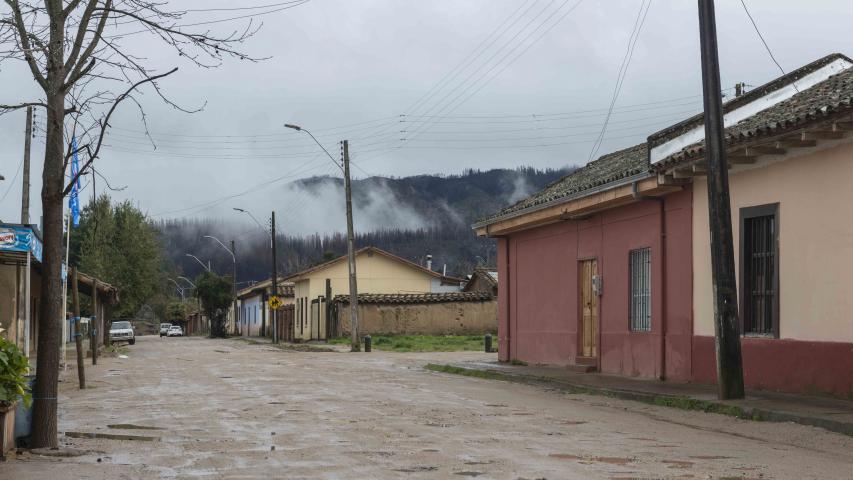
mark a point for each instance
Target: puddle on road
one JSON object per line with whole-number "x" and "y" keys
{"x": 609, "y": 460}
{"x": 710, "y": 457}
{"x": 110, "y": 436}
{"x": 677, "y": 463}
{"x": 468, "y": 474}
{"x": 417, "y": 469}
{"x": 130, "y": 426}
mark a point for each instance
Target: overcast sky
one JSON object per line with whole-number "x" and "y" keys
{"x": 535, "y": 93}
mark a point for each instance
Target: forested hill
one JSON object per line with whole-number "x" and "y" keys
{"x": 410, "y": 217}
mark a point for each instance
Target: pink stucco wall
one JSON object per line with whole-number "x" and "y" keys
{"x": 538, "y": 292}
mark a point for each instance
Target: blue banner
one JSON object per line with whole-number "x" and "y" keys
{"x": 19, "y": 239}
{"x": 73, "y": 200}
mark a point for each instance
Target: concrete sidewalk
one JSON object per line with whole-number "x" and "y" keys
{"x": 829, "y": 413}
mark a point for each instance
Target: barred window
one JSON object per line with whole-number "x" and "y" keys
{"x": 640, "y": 271}
{"x": 760, "y": 270}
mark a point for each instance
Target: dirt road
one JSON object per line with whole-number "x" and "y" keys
{"x": 227, "y": 409}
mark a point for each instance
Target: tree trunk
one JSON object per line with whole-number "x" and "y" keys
{"x": 50, "y": 309}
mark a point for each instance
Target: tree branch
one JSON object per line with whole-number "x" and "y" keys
{"x": 105, "y": 124}
{"x": 25, "y": 43}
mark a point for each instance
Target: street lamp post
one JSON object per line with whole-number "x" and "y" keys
{"x": 355, "y": 344}
{"x": 234, "y": 274}
{"x": 180, "y": 289}
{"x": 206, "y": 267}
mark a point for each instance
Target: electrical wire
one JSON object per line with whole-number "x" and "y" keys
{"x": 761, "y": 37}
{"x": 623, "y": 70}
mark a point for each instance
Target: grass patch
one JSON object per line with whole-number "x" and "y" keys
{"x": 516, "y": 361}
{"x": 466, "y": 372}
{"x": 686, "y": 403}
{"x": 423, "y": 343}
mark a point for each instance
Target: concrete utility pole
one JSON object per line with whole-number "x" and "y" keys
{"x": 25, "y": 192}
{"x": 234, "y": 284}
{"x": 353, "y": 290}
{"x": 726, "y": 323}
{"x": 353, "y": 287}
{"x": 274, "y": 279}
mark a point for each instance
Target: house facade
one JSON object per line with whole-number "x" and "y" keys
{"x": 608, "y": 269}
{"x": 377, "y": 272}
{"x": 254, "y": 317}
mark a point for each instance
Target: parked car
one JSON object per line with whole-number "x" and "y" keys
{"x": 175, "y": 331}
{"x": 122, "y": 332}
{"x": 164, "y": 329}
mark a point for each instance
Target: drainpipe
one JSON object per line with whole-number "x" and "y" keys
{"x": 662, "y": 203}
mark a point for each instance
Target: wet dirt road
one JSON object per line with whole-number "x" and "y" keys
{"x": 227, "y": 409}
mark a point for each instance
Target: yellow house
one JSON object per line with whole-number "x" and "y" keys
{"x": 377, "y": 271}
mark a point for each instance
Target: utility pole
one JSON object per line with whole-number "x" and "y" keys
{"x": 726, "y": 323}
{"x": 94, "y": 322}
{"x": 234, "y": 285}
{"x": 274, "y": 279}
{"x": 78, "y": 336}
{"x": 353, "y": 288}
{"x": 25, "y": 192}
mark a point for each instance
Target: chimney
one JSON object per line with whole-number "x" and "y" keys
{"x": 429, "y": 262}
{"x": 739, "y": 89}
{"x": 444, "y": 270}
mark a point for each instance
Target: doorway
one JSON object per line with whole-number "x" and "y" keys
{"x": 588, "y": 309}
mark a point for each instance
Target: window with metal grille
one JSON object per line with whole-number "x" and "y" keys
{"x": 640, "y": 271}
{"x": 759, "y": 270}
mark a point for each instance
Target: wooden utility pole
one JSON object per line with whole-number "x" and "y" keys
{"x": 25, "y": 191}
{"x": 353, "y": 287}
{"x": 274, "y": 311}
{"x": 328, "y": 308}
{"x": 78, "y": 336}
{"x": 726, "y": 323}
{"x": 95, "y": 322}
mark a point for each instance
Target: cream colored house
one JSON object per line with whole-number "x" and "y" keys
{"x": 377, "y": 271}
{"x": 790, "y": 155}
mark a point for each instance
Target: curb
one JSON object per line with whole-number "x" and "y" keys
{"x": 664, "y": 400}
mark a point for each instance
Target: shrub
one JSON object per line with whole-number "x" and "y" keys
{"x": 13, "y": 367}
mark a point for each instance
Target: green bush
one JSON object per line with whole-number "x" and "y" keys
{"x": 13, "y": 367}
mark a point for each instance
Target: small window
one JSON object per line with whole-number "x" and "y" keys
{"x": 640, "y": 272}
{"x": 759, "y": 290}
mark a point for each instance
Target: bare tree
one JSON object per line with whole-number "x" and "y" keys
{"x": 81, "y": 55}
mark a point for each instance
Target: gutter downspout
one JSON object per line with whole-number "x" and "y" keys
{"x": 662, "y": 203}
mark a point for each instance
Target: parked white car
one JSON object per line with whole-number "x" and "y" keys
{"x": 122, "y": 332}
{"x": 175, "y": 331}
{"x": 164, "y": 329}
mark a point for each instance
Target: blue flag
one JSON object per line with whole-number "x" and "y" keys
{"x": 73, "y": 201}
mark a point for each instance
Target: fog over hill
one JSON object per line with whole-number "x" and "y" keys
{"x": 409, "y": 216}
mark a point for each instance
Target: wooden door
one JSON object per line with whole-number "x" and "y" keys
{"x": 589, "y": 309}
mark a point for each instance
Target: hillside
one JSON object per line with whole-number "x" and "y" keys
{"x": 410, "y": 216}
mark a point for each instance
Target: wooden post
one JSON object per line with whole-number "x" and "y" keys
{"x": 329, "y": 333}
{"x": 78, "y": 338}
{"x": 353, "y": 287}
{"x": 273, "y": 311}
{"x": 95, "y": 322}
{"x": 726, "y": 323}
{"x": 25, "y": 190}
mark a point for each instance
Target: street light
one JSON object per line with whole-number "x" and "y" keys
{"x": 187, "y": 280}
{"x": 180, "y": 289}
{"x": 256, "y": 221}
{"x": 206, "y": 267}
{"x": 353, "y": 287}
{"x": 234, "y": 275}
{"x": 272, "y": 233}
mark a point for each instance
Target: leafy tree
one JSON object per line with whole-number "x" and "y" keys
{"x": 176, "y": 312}
{"x": 215, "y": 295}
{"x": 117, "y": 244}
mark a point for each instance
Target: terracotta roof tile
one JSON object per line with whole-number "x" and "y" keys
{"x": 401, "y": 298}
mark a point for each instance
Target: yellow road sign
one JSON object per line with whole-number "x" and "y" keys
{"x": 275, "y": 302}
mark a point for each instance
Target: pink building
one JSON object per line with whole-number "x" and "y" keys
{"x": 608, "y": 269}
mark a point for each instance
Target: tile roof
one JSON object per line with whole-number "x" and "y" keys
{"x": 828, "y": 100}
{"x": 417, "y": 298}
{"x": 825, "y": 101}
{"x": 606, "y": 169}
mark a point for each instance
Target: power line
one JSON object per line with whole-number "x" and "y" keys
{"x": 766, "y": 46}
{"x": 12, "y": 183}
{"x": 623, "y": 70}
